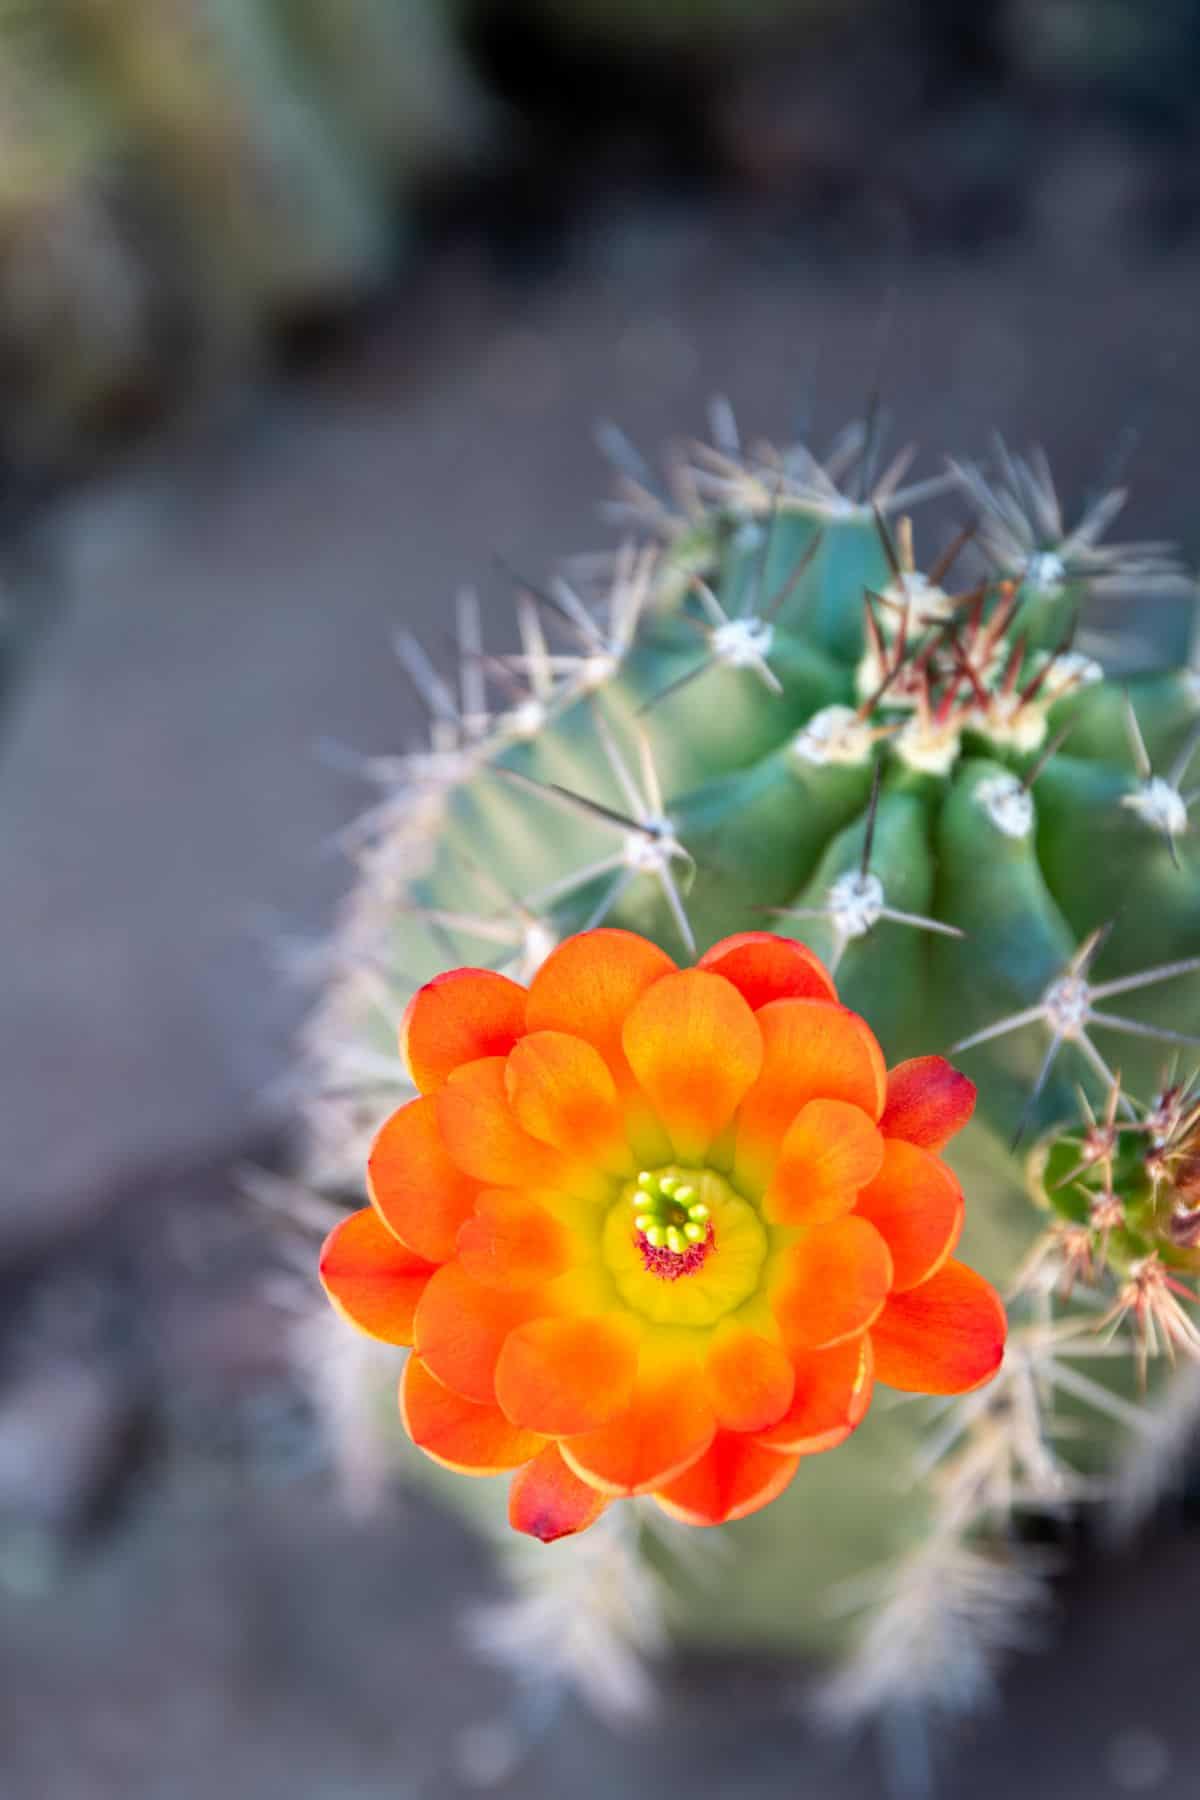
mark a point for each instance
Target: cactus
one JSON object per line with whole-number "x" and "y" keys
{"x": 764, "y": 713}
{"x": 1124, "y": 1189}
{"x": 278, "y": 214}
{"x": 200, "y": 173}
{"x": 76, "y": 305}
{"x": 393, "y": 77}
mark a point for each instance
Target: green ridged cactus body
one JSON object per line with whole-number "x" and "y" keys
{"x": 770, "y": 718}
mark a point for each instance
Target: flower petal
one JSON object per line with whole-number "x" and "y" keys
{"x": 735, "y": 1477}
{"x": 831, "y": 1283}
{"x": 763, "y": 967}
{"x": 831, "y": 1397}
{"x": 564, "y": 1375}
{"x": 749, "y": 1380}
{"x": 589, "y": 985}
{"x": 812, "y": 1050}
{"x": 695, "y": 1048}
{"x": 561, "y": 1091}
{"x": 916, "y": 1205}
{"x": 547, "y": 1500}
{"x": 471, "y": 1439}
{"x": 372, "y": 1280}
{"x": 457, "y": 1018}
{"x": 481, "y": 1135}
{"x": 831, "y": 1151}
{"x": 512, "y": 1242}
{"x": 461, "y": 1325}
{"x": 667, "y": 1425}
{"x": 927, "y": 1102}
{"x": 944, "y": 1337}
{"x": 418, "y": 1191}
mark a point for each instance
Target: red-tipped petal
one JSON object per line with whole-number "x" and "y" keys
{"x": 944, "y": 1337}
{"x": 460, "y": 1326}
{"x": 831, "y": 1151}
{"x": 667, "y": 1425}
{"x": 831, "y": 1396}
{"x": 457, "y": 1018}
{"x": 695, "y": 1048}
{"x": 589, "y": 985}
{"x": 763, "y": 967}
{"x": 564, "y": 1375}
{"x": 547, "y": 1500}
{"x": 927, "y": 1102}
{"x": 372, "y": 1280}
{"x": 512, "y": 1242}
{"x": 471, "y": 1439}
{"x": 916, "y": 1205}
{"x": 481, "y": 1135}
{"x": 416, "y": 1188}
{"x": 748, "y": 1378}
{"x": 830, "y": 1284}
{"x": 562, "y": 1092}
{"x": 735, "y": 1477}
{"x": 812, "y": 1050}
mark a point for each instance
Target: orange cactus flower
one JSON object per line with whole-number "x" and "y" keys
{"x": 659, "y": 1231}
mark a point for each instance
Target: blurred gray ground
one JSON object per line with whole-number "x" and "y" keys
{"x": 241, "y": 1642}
{"x": 167, "y": 822}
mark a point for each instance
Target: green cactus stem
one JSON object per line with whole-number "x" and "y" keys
{"x": 766, "y": 715}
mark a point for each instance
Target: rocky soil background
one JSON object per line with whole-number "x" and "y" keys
{"x": 200, "y": 649}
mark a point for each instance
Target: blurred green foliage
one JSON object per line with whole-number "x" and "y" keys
{"x": 186, "y": 175}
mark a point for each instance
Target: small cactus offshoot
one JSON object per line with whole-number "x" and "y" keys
{"x": 1124, "y": 1187}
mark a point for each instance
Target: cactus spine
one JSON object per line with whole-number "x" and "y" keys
{"x": 766, "y": 710}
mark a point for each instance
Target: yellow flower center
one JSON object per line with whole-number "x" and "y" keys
{"x": 683, "y": 1247}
